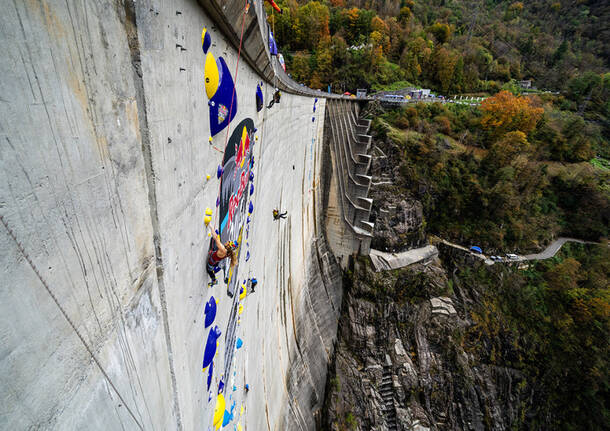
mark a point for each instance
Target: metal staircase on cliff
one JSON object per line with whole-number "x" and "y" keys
{"x": 387, "y": 395}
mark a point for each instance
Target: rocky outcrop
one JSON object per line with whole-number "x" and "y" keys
{"x": 398, "y": 222}
{"x": 402, "y": 362}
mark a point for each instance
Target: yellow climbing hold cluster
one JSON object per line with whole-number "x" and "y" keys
{"x": 208, "y": 215}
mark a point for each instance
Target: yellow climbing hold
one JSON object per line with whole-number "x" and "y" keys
{"x": 242, "y": 294}
{"x": 241, "y": 412}
{"x": 211, "y": 75}
{"x": 207, "y": 177}
{"x": 219, "y": 411}
{"x": 208, "y": 214}
{"x": 239, "y": 428}
{"x": 240, "y": 309}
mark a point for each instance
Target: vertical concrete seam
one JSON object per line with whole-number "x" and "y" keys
{"x": 130, "y": 23}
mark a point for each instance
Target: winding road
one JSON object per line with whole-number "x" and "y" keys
{"x": 547, "y": 253}
{"x": 553, "y": 248}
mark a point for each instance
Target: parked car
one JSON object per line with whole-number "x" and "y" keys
{"x": 512, "y": 256}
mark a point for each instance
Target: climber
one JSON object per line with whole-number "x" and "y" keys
{"x": 277, "y": 215}
{"x": 276, "y": 98}
{"x": 274, "y": 6}
{"x": 217, "y": 254}
{"x": 253, "y": 283}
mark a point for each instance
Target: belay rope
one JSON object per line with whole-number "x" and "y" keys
{"x": 63, "y": 312}
{"x": 241, "y": 38}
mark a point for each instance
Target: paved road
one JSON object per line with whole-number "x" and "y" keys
{"x": 553, "y": 248}
{"x": 547, "y": 253}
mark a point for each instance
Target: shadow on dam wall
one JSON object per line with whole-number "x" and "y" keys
{"x": 108, "y": 170}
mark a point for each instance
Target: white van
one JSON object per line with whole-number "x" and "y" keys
{"x": 512, "y": 256}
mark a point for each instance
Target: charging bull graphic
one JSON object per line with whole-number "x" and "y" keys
{"x": 219, "y": 88}
{"x": 234, "y": 186}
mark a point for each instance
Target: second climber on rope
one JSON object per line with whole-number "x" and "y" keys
{"x": 217, "y": 253}
{"x": 277, "y": 215}
{"x": 276, "y": 98}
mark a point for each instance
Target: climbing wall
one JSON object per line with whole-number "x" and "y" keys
{"x": 122, "y": 125}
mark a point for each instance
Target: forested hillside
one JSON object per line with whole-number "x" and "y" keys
{"x": 514, "y": 173}
{"x": 450, "y": 45}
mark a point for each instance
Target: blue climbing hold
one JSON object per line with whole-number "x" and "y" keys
{"x": 228, "y": 416}
{"x": 250, "y": 208}
{"x": 251, "y": 189}
{"x": 217, "y": 201}
{"x": 251, "y": 176}
{"x": 239, "y": 343}
{"x": 210, "y": 309}
{"x": 219, "y": 171}
{"x": 206, "y": 41}
{"x": 210, "y": 372}
{"x": 313, "y": 119}
{"x": 259, "y": 98}
{"x": 248, "y": 220}
{"x": 248, "y": 255}
{"x": 210, "y": 346}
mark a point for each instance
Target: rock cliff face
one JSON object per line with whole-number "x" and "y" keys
{"x": 403, "y": 360}
{"x": 398, "y": 223}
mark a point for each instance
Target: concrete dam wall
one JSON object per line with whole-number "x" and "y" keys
{"x": 106, "y": 114}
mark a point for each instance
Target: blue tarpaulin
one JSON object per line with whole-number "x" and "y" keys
{"x": 476, "y": 249}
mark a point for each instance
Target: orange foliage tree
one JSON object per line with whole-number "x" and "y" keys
{"x": 505, "y": 113}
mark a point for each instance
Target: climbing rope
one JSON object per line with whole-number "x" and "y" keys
{"x": 241, "y": 38}
{"x": 63, "y": 312}
{"x": 272, "y": 62}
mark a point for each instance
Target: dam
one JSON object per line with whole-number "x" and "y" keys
{"x": 123, "y": 123}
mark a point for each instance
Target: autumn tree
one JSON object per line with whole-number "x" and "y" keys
{"x": 300, "y": 69}
{"x": 311, "y": 24}
{"x": 405, "y": 15}
{"x": 506, "y": 112}
{"x": 324, "y": 63}
{"x": 444, "y": 65}
{"x": 503, "y": 151}
{"x": 441, "y": 32}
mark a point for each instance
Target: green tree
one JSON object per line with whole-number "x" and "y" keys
{"x": 441, "y": 32}
{"x": 311, "y": 24}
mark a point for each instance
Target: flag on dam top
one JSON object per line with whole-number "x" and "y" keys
{"x": 272, "y": 44}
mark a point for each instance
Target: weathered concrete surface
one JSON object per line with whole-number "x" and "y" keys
{"x": 104, "y": 155}
{"x": 384, "y": 261}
